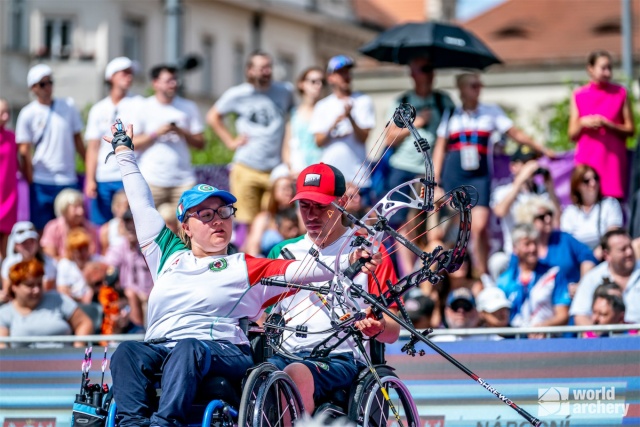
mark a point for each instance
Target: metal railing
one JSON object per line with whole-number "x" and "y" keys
{"x": 548, "y": 331}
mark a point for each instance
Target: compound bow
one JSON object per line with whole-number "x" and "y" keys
{"x": 340, "y": 296}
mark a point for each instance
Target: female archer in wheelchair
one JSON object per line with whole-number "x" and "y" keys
{"x": 200, "y": 294}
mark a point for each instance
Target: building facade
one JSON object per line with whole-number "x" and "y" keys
{"x": 77, "y": 38}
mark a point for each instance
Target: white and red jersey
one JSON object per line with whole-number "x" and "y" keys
{"x": 305, "y": 308}
{"x": 204, "y": 298}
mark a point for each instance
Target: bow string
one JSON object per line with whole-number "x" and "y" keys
{"x": 373, "y": 228}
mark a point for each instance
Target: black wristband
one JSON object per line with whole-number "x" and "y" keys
{"x": 120, "y": 138}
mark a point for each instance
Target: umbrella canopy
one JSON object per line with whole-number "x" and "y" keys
{"x": 448, "y": 46}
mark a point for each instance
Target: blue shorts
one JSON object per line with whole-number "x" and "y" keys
{"x": 339, "y": 372}
{"x": 101, "y": 205}
{"x": 41, "y": 198}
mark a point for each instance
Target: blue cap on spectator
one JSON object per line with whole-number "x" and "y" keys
{"x": 198, "y": 194}
{"x": 460, "y": 294}
{"x": 339, "y": 62}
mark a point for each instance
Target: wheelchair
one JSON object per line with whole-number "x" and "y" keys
{"x": 268, "y": 397}
{"x": 218, "y": 400}
{"x": 368, "y": 403}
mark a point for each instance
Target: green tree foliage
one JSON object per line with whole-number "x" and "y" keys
{"x": 214, "y": 152}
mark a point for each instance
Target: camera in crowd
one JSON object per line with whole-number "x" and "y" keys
{"x": 543, "y": 172}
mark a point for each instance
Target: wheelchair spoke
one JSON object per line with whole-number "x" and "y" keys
{"x": 278, "y": 402}
{"x": 388, "y": 406}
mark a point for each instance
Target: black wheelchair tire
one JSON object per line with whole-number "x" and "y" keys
{"x": 250, "y": 387}
{"x": 367, "y": 407}
{"x": 278, "y": 382}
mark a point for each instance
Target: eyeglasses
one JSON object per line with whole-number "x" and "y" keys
{"x": 426, "y": 69}
{"x": 207, "y": 215}
{"x": 42, "y": 85}
{"x": 475, "y": 85}
{"x": 466, "y": 306}
{"x": 320, "y": 82}
{"x": 543, "y": 217}
{"x": 587, "y": 180}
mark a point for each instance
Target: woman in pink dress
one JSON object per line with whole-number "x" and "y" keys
{"x": 9, "y": 182}
{"x": 600, "y": 122}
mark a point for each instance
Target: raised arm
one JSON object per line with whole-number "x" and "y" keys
{"x": 148, "y": 221}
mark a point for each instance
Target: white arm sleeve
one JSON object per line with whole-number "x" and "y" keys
{"x": 148, "y": 221}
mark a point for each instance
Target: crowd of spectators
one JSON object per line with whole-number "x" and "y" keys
{"x": 558, "y": 265}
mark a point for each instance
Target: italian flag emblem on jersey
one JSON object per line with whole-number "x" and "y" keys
{"x": 218, "y": 265}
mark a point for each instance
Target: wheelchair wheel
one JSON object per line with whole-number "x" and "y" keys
{"x": 278, "y": 402}
{"x": 250, "y": 388}
{"x": 369, "y": 408}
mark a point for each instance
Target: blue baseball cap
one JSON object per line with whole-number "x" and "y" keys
{"x": 338, "y": 62}
{"x": 198, "y": 194}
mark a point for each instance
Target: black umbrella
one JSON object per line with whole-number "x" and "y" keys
{"x": 447, "y": 45}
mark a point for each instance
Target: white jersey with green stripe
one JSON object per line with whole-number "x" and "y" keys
{"x": 204, "y": 298}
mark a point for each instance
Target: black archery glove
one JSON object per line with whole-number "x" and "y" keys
{"x": 119, "y": 138}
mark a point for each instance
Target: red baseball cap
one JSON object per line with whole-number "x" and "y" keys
{"x": 320, "y": 183}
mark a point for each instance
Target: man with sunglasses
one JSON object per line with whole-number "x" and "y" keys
{"x": 103, "y": 178}
{"x": 405, "y": 162}
{"x": 341, "y": 123}
{"x": 261, "y": 106}
{"x": 168, "y": 126}
{"x": 461, "y": 312}
{"x": 48, "y": 137}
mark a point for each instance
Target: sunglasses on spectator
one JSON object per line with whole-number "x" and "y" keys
{"x": 543, "y": 217}
{"x": 587, "y": 180}
{"x": 427, "y": 69}
{"x": 466, "y": 306}
{"x": 320, "y": 82}
{"x": 207, "y": 215}
{"x": 29, "y": 230}
{"x": 42, "y": 85}
{"x": 476, "y": 85}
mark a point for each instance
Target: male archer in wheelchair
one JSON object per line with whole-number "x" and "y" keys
{"x": 200, "y": 294}
{"x": 317, "y": 187}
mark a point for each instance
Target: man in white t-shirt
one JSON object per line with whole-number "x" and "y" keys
{"x": 619, "y": 266}
{"x": 166, "y": 126}
{"x": 103, "y": 178}
{"x": 261, "y": 106}
{"x": 341, "y": 123}
{"x": 505, "y": 198}
{"x": 48, "y": 137}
